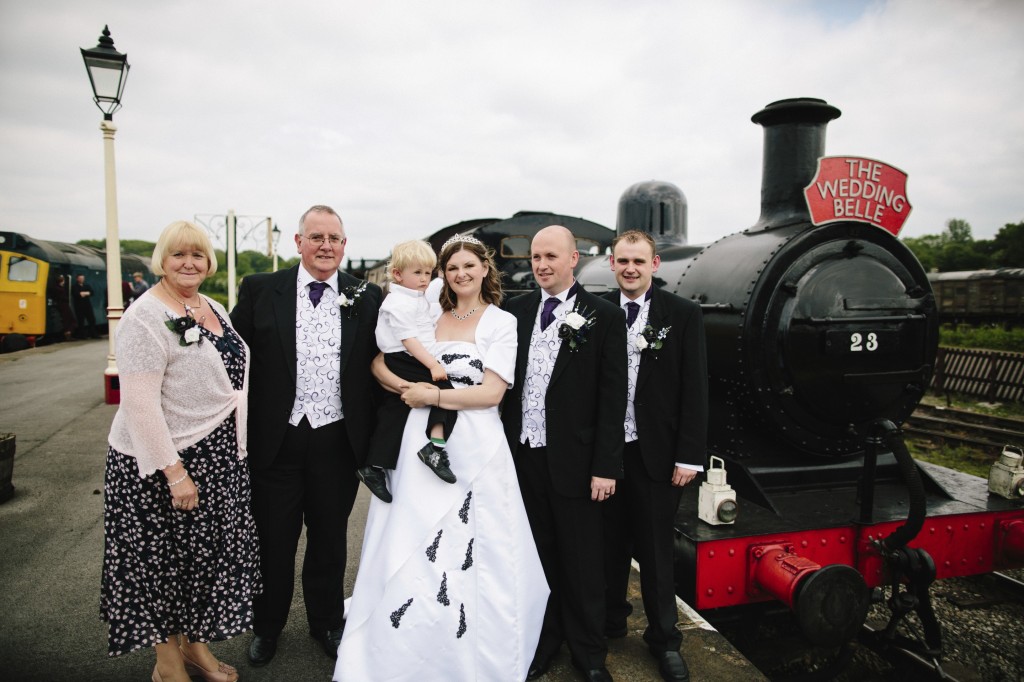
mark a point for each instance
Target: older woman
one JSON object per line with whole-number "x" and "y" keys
{"x": 180, "y": 562}
{"x": 450, "y": 586}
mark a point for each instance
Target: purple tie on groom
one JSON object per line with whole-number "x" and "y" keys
{"x": 632, "y": 310}
{"x": 547, "y": 315}
{"x": 316, "y": 290}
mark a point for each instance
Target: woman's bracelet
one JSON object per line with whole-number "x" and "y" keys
{"x": 173, "y": 483}
{"x": 438, "y": 396}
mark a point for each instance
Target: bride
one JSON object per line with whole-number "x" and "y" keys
{"x": 449, "y": 585}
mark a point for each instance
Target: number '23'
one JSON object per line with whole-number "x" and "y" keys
{"x": 859, "y": 342}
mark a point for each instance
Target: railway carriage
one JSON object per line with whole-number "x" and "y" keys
{"x": 980, "y": 296}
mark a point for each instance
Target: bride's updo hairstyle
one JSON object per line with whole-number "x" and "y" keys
{"x": 490, "y": 285}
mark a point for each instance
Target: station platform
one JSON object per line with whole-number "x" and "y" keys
{"x": 51, "y": 550}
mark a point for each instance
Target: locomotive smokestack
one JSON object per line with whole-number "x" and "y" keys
{"x": 794, "y": 140}
{"x": 658, "y": 208}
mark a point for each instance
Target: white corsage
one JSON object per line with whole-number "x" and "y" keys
{"x": 575, "y": 320}
{"x": 349, "y": 296}
{"x": 191, "y": 335}
{"x": 573, "y": 329}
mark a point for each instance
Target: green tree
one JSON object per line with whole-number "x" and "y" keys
{"x": 960, "y": 256}
{"x": 927, "y": 249}
{"x": 1008, "y": 246}
{"x": 958, "y": 231}
{"x": 137, "y": 246}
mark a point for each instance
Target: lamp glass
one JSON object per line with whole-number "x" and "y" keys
{"x": 107, "y": 78}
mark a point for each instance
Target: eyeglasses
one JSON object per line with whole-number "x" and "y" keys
{"x": 334, "y": 239}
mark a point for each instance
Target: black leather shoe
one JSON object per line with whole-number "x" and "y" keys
{"x": 672, "y": 667}
{"x": 437, "y": 460}
{"x": 539, "y": 666}
{"x": 330, "y": 640}
{"x": 600, "y": 674}
{"x": 376, "y": 481}
{"x": 262, "y": 649}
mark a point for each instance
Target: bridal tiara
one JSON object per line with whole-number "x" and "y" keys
{"x": 461, "y": 238}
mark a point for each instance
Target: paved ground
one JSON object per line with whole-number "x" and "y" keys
{"x": 51, "y": 544}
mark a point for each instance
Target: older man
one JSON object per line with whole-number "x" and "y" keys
{"x": 563, "y": 420}
{"x": 666, "y": 445}
{"x": 310, "y": 331}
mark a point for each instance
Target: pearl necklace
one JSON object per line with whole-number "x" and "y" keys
{"x": 465, "y": 317}
{"x": 188, "y": 308}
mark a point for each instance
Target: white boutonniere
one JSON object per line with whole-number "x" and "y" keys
{"x": 576, "y": 326}
{"x": 349, "y": 296}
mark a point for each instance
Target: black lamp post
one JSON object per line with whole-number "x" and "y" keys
{"x": 277, "y": 240}
{"x": 108, "y": 71}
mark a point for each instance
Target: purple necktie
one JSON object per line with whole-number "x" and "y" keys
{"x": 632, "y": 310}
{"x": 316, "y": 290}
{"x": 547, "y": 316}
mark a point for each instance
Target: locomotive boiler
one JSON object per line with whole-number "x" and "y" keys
{"x": 821, "y": 341}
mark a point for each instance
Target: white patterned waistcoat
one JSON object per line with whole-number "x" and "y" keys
{"x": 540, "y": 362}
{"x": 317, "y": 355}
{"x": 633, "y": 365}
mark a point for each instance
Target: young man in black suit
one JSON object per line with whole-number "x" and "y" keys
{"x": 563, "y": 421}
{"x": 666, "y": 445}
{"x": 310, "y": 331}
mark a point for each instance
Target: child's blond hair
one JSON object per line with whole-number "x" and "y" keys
{"x": 410, "y": 253}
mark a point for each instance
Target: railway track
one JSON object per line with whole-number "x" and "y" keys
{"x": 950, "y": 426}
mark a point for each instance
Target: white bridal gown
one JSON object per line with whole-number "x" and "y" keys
{"x": 450, "y": 586}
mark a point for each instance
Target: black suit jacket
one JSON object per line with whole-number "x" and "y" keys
{"x": 586, "y": 399}
{"x": 671, "y": 402}
{"x": 265, "y": 317}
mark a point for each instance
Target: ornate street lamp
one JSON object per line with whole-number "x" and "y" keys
{"x": 108, "y": 71}
{"x": 276, "y": 241}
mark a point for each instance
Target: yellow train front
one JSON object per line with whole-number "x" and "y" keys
{"x": 30, "y": 310}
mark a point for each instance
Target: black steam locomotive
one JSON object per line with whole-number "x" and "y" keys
{"x": 821, "y": 341}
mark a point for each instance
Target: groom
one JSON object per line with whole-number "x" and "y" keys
{"x": 563, "y": 419}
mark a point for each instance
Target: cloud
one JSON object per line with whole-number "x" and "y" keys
{"x": 409, "y": 116}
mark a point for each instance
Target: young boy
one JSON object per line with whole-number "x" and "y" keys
{"x": 405, "y": 334}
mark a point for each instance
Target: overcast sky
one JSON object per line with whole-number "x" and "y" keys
{"x": 408, "y": 116}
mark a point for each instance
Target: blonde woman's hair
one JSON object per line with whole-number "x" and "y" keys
{"x": 182, "y": 234}
{"x": 412, "y": 252}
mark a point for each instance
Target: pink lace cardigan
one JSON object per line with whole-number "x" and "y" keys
{"x": 172, "y": 396}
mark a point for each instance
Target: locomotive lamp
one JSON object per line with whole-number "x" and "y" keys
{"x": 717, "y": 500}
{"x": 1006, "y": 477}
{"x": 108, "y": 71}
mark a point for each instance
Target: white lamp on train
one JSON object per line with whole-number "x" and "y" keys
{"x": 108, "y": 71}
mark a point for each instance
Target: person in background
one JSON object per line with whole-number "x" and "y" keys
{"x": 127, "y": 294}
{"x": 563, "y": 421}
{"x": 180, "y": 561}
{"x": 139, "y": 285}
{"x": 666, "y": 445}
{"x": 311, "y": 331}
{"x": 58, "y": 293}
{"x": 81, "y": 295}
